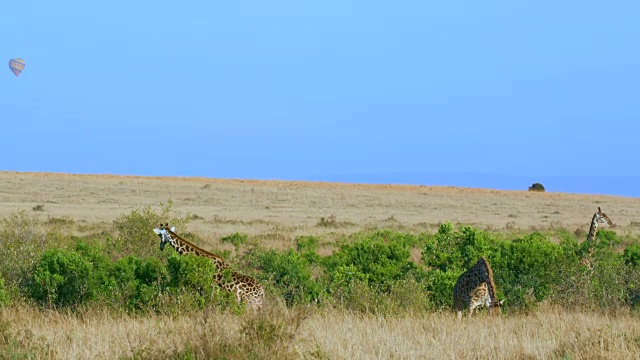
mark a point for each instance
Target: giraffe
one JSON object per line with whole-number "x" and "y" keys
{"x": 475, "y": 288}
{"x": 246, "y": 288}
{"x": 598, "y": 218}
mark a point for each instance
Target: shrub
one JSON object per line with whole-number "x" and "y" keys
{"x": 382, "y": 263}
{"x": 526, "y": 268}
{"x": 62, "y": 278}
{"x": 369, "y": 271}
{"x": 609, "y": 281}
{"x": 291, "y": 274}
{"x": 439, "y": 284}
{"x": 474, "y": 244}
{"x": 536, "y": 187}
{"x": 410, "y": 296}
{"x": 344, "y": 279}
{"x": 23, "y": 240}
{"x": 236, "y": 239}
{"x": 308, "y": 247}
{"x": 329, "y": 221}
{"x": 606, "y": 238}
{"x": 191, "y": 279}
{"x": 389, "y": 236}
{"x": 632, "y": 255}
{"x": 442, "y": 251}
{"x": 69, "y": 278}
{"x": 135, "y": 230}
{"x": 136, "y": 283}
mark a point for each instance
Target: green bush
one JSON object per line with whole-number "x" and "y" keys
{"x": 344, "y": 279}
{"x": 410, "y": 296}
{"x": 349, "y": 289}
{"x": 526, "y": 269}
{"x": 369, "y": 271}
{"x": 439, "y": 286}
{"x": 450, "y": 250}
{"x": 308, "y": 247}
{"x": 192, "y": 281}
{"x": 292, "y": 275}
{"x": 632, "y": 255}
{"x": 136, "y": 283}
{"x": 474, "y": 244}
{"x": 442, "y": 251}
{"x": 236, "y": 239}
{"x": 69, "y": 278}
{"x": 536, "y": 187}
{"x": 63, "y": 278}
{"x": 606, "y": 238}
{"x": 23, "y": 241}
{"x": 382, "y": 263}
{"x": 389, "y": 237}
{"x": 135, "y": 231}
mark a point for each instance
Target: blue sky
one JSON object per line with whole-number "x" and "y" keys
{"x": 368, "y": 91}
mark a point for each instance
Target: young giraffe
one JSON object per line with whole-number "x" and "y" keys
{"x": 246, "y": 288}
{"x": 474, "y": 288}
{"x": 598, "y": 218}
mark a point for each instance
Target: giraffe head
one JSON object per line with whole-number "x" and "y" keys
{"x": 495, "y": 307}
{"x": 603, "y": 218}
{"x": 163, "y": 233}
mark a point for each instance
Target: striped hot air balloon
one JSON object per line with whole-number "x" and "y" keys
{"x": 16, "y": 65}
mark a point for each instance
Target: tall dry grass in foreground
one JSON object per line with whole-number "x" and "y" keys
{"x": 309, "y": 333}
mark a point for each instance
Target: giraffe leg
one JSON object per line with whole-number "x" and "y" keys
{"x": 471, "y": 308}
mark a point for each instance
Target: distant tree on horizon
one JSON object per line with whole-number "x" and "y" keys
{"x": 536, "y": 187}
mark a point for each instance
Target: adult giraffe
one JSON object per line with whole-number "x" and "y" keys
{"x": 246, "y": 288}
{"x": 475, "y": 288}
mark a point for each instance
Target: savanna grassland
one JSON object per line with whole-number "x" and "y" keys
{"x": 351, "y": 271}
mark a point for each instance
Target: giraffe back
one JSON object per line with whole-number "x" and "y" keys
{"x": 470, "y": 283}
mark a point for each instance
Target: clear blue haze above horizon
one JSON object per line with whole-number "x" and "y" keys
{"x": 492, "y": 94}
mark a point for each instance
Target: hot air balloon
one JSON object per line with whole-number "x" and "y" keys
{"x": 16, "y": 65}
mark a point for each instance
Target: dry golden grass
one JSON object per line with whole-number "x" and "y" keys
{"x": 281, "y": 210}
{"x": 276, "y": 212}
{"x": 310, "y": 333}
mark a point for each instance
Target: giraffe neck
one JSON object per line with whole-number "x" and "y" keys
{"x": 486, "y": 274}
{"x": 184, "y": 247}
{"x": 593, "y": 230}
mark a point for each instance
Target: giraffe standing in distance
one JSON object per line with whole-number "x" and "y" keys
{"x": 475, "y": 288}
{"x": 246, "y": 288}
{"x": 598, "y": 218}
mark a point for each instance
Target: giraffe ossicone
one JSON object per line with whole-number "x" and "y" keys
{"x": 246, "y": 288}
